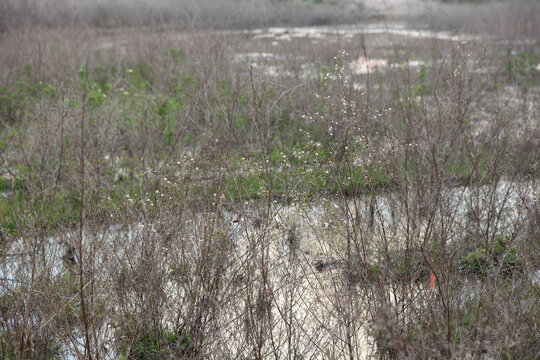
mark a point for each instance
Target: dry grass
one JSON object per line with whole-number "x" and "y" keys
{"x": 181, "y": 14}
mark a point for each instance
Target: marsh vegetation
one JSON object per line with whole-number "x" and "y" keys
{"x": 367, "y": 188}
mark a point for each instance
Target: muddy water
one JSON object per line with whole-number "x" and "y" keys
{"x": 304, "y": 248}
{"x": 295, "y": 52}
{"x": 311, "y": 231}
{"x": 329, "y": 32}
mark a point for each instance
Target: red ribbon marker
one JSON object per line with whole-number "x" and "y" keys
{"x": 432, "y": 283}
